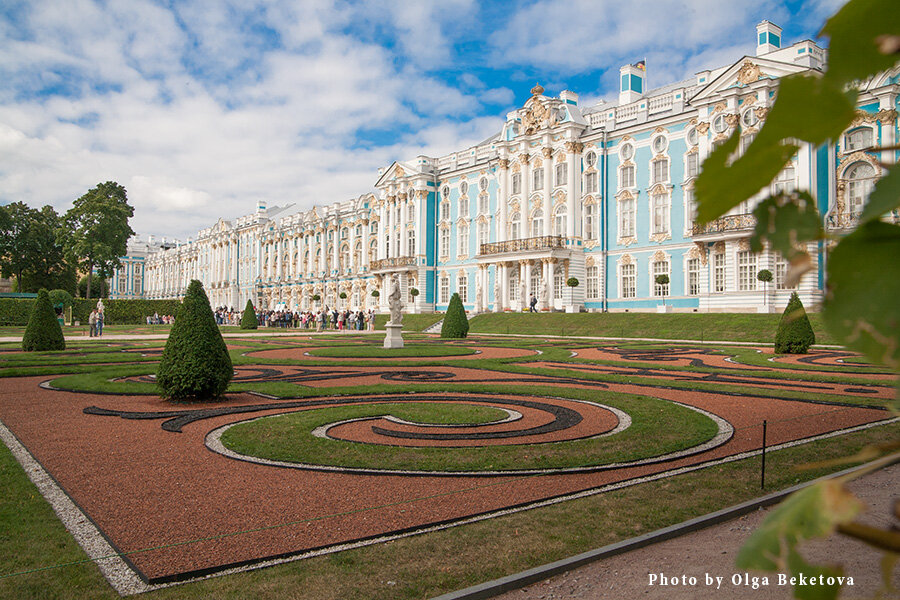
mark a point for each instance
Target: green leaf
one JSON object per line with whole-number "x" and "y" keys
{"x": 800, "y": 568}
{"x": 884, "y": 198}
{"x": 861, "y": 307}
{"x": 785, "y": 221}
{"x": 812, "y": 512}
{"x": 807, "y": 108}
{"x": 721, "y": 187}
{"x": 856, "y": 36}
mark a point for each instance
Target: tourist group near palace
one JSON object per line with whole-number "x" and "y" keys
{"x": 601, "y": 194}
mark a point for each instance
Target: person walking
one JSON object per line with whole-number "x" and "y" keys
{"x": 92, "y": 322}
{"x": 532, "y": 303}
{"x": 99, "y": 323}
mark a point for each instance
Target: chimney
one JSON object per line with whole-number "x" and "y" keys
{"x": 768, "y": 38}
{"x": 569, "y": 97}
{"x": 632, "y": 82}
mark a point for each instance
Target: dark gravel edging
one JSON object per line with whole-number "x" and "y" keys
{"x": 520, "y": 580}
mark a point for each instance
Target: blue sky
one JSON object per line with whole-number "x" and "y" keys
{"x": 202, "y": 107}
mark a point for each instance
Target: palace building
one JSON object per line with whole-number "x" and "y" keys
{"x": 601, "y": 193}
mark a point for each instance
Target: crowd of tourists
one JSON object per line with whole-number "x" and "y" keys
{"x": 324, "y": 319}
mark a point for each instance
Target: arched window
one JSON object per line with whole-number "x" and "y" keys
{"x": 483, "y": 204}
{"x": 626, "y": 177}
{"x": 590, "y": 222}
{"x": 860, "y": 179}
{"x": 462, "y": 287}
{"x": 785, "y": 182}
{"x": 626, "y": 217}
{"x": 411, "y": 243}
{"x": 537, "y": 178}
{"x": 859, "y": 139}
{"x": 515, "y": 222}
{"x": 345, "y": 259}
{"x": 537, "y": 224}
{"x": 559, "y": 220}
{"x": 445, "y": 211}
{"x": 464, "y": 207}
{"x": 463, "y": 188}
{"x": 659, "y": 206}
{"x": 660, "y": 171}
{"x": 462, "y": 240}
{"x": 660, "y": 267}
{"x": 516, "y": 183}
{"x": 445, "y": 241}
{"x": 483, "y": 234}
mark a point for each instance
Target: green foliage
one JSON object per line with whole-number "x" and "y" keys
{"x": 456, "y": 324}
{"x": 375, "y": 293}
{"x": 795, "y": 334}
{"x": 783, "y": 220}
{"x": 99, "y": 287}
{"x": 61, "y": 297}
{"x": 29, "y": 249}
{"x": 248, "y": 319}
{"x": 572, "y": 282}
{"x": 43, "y": 331}
{"x": 662, "y": 279}
{"x": 195, "y": 365}
{"x": 413, "y": 292}
{"x": 765, "y": 276}
{"x": 97, "y": 229}
{"x": 813, "y": 512}
{"x": 342, "y": 295}
{"x": 316, "y": 297}
{"x": 861, "y": 305}
{"x": 123, "y": 312}
{"x": 15, "y": 311}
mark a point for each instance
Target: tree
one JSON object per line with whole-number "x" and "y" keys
{"x": 456, "y": 324}
{"x": 30, "y": 248}
{"x": 663, "y": 280}
{"x": 100, "y": 288}
{"x": 98, "y": 230}
{"x": 765, "y": 276}
{"x": 43, "y": 331}
{"x": 795, "y": 334}
{"x": 195, "y": 364}
{"x": 248, "y": 319}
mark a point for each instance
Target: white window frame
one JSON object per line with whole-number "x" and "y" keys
{"x": 746, "y": 263}
{"x": 627, "y": 214}
{"x": 628, "y": 280}
{"x": 660, "y": 267}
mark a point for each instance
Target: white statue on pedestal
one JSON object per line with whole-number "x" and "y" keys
{"x": 498, "y": 301}
{"x": 479, "y": 296}
{"x": 394, "y": 302}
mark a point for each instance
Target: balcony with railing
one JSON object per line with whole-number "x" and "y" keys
{"x": 392, "y": 263}
{"x": 545, "y": 242}
{"x": 726, "y": 224}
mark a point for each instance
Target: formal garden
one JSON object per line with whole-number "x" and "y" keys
{"x": 353, "y": 471}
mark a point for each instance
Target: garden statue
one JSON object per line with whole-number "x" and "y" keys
{"x": 394, "y": 302}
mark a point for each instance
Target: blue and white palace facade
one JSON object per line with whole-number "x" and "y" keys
{"x": 601, "y": 193}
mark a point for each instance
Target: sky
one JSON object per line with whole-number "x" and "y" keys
{"x": 201, "y": 108}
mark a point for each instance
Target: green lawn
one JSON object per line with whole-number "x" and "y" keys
{"x": 732, "y": 327}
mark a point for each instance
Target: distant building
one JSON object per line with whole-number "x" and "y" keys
{"x": 603, "y": 193}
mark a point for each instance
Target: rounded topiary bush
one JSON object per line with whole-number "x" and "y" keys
{"x": 248, "y": 319}
{"x": 195, "y": 365}
{"x": 43, "y": 331}
{"x": 455, "y": 325}
{"x": 795, "y": 334}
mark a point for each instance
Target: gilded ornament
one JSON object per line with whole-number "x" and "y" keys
{"x": 719, "y": 107}
{"x": 749, "y": 73}
{"x": 626, "y": 259}
{"x": 761, "y": 112}
{"x": 504, "y": 163}
{"x": 547, "y": 152}
{"x": 702, "y": 128}
{"x": 732, "y": 120}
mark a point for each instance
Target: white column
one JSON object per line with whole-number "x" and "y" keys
{"x": 549, "y": 173}
{"x": 503, "y": 200}
{"x": 551, "y": 289}
{"x": 382, "y": 228}
{"x": 528, "y": 291}
{"x": 351, "y": 240}
{"x": 335, "y": 250}
{"x": 365, "y": 252}
{"x": 401, "y": 204}
{"x": 503, "y": 274}
{"x": 526, "y": 191}
{"x": 322, "y": 248}
{"x": 573, "y": 195}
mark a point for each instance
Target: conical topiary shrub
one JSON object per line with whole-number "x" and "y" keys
{"x": 795, "y": 334}
{"x": 195, "y": 364}
{"x": 455, "y": 325}
{"x": 43, "y": 331}
{"x": 248, "y": 319}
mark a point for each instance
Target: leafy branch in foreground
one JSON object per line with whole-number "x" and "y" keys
{"x": 863, "y": 274}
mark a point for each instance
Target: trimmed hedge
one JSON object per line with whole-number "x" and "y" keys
{"x": 248, "y": 319}
{"x": 195, "y": 364}
{"x": 795, "y": 334}
{"x": 43, "y": 331}
{"x": 456, "y": 324}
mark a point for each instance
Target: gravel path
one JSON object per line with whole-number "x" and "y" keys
{"x": 712, "y": 552}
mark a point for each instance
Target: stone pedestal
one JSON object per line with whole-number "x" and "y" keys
{"x": 663, "y": 308}
{"x": 393, "y": 339}
{"x": 767, "y": 309}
